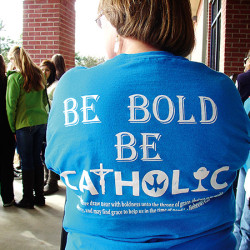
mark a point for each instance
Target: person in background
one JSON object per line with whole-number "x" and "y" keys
{"x": 243, "y": 79}
{"x": 7, "y": 145}
{"x": 59, "y": 62}
{"x": 60, "y": 70}
{"x": 233, "y": 77}
{"x": 149, "y": 142}
{"x": 49, "y": 70}
{"x": 17, "y": 168}
{"x": 242, "y": 223}
{"x": 26, "y": 102}
{"x": 243, "y": 85}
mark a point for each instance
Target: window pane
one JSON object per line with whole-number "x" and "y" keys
{"x": 215, "y": 35}
{"x": 219, "y": 5}
{"x": 214, "y": 10}
{"x": 218, "y": 44}
{"x": 213, "y": 47}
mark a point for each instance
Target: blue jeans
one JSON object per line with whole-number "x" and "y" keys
{"x": 242, "y": 223}
{"x": 29, "y": 144}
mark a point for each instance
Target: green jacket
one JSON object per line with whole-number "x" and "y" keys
{"x": 24, "y": 109}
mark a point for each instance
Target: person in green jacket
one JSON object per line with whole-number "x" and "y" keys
{"x": 26, "y": 102}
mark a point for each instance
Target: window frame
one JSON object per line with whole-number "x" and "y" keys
{"x": 215, "y": 34}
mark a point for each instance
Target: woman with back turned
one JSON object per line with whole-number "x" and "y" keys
{"x": 59, "y": 62}
{"x": 149, "y": 142}
{"x": 25, "y": 102}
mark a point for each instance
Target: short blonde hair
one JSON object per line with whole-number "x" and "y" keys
{"x": 164, "y": 24}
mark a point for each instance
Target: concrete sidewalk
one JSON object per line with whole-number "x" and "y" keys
{"x": 32, "y": 229}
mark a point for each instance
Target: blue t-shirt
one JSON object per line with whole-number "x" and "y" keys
{"x": 148, "y": 146}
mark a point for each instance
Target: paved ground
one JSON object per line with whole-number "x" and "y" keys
{"x": 32, "y": 229}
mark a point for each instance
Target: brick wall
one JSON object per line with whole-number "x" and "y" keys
{"x": 49, "y": 28}
{"x": 237, "y": 35}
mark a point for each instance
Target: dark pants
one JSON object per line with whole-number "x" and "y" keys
{"x": 64, "y": 236}
{"x": 7, "y": 152}
{"x": 29, "y": 144}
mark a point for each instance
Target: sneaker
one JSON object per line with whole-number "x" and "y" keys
{"x": 12, "y": 203}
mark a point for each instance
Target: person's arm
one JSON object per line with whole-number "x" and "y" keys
{"x": 46, "y": 102}
{"x": 12, "y": 95}
{"x": 247, "y": 179}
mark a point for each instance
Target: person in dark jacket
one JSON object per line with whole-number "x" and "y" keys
{"x": 7, "y": 143}
{"x": 243, "y": 80}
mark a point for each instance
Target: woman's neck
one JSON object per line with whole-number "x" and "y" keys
{"x": 133, "y": 46}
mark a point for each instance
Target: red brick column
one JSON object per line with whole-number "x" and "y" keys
{"x": 237, "y": 35}
{"x": 49, "y": 28}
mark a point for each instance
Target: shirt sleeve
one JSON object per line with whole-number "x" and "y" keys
{"x": 12, "y": 95}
